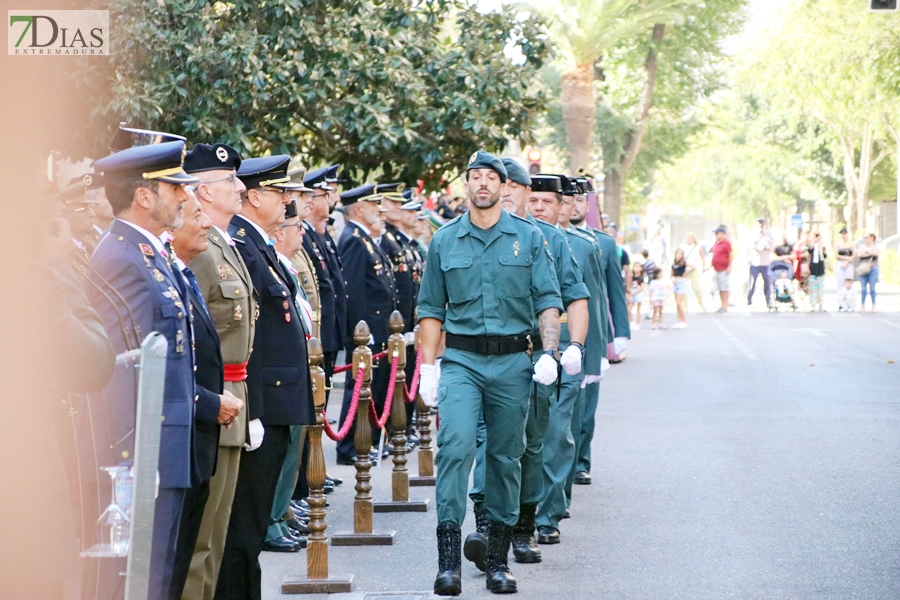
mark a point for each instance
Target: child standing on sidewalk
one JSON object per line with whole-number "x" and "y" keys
{"x": 658, "y": 291}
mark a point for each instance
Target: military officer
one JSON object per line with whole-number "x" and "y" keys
{"x": 228, "y": 292}
{"x": 145, "y": 189}
{"x": 301, "y": 261}
{"x": 322, "y": 250}
{"x": 78, "y": 211}
{"x": 288, "y": 242}
{"x": 213, "y": 404}
{"x": 371, "y": 293}
{"x": 537, "y": 200}
{"x": 488, "y": 276}
{"x": 558, "y": 452}
{"x": 407, "y": 232}
{"x": 619, "y": 332}
{"x": 278, "y": 379}
{"x": 103, "y": 214}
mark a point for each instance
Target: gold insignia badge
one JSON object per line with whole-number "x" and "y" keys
{"x": 228, "y": 271}
{"x": 88, "y": 180}
{"x": 516, "y": 247}
{"x": 158, "y": 276}
{"x": 473, "y": 157}
{"x": 146, "y": 249}
{"x": 241, "y": 232}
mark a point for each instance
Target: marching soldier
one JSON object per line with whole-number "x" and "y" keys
{"x": 558, "y": 452}
{"x": 619, "y": 333}
{"x": 371, "y": 293}
{"x": 145, "y": 189}
{"x": 228, "y": 292}
{"x": 549, "y": 403}
{"x": 278, "y": 379}
{"x": 488, "y": 276}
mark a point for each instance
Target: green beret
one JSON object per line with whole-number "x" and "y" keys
{"x": 516, "y": 171}
{"x": 486, "y": 160}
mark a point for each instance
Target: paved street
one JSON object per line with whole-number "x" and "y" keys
{"x": 750, "y": 456}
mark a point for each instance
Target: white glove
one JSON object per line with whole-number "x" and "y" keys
{"x": 545, "y": 370}
{"x": 257, "y": 431}
{"x": 410, "y": 337}
{"x": 589, "y": 379}
{"x": 620, "y": 344}
{"x": 604, "y": 367}
{"x": 371, "y": 340}
{"x": 429, "y": 376}
{"x": 571, "y": 360}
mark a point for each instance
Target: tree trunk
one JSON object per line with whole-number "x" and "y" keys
{"x": 579, "y": 108}
{"x": 858, "y": 179}
{"x": 615, "y": 173}
{"x": 612, "y": 196}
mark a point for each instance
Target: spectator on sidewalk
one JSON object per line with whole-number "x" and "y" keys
{"x": 681, "y": 270}
{"x": 867, "y": 270}
{"x": 638, "y": 287}
{"x": 722, "y": 257}
{"x": 650, "y": 265}
{"x": 784, "y": 252}
{"x": 695, "y": 257}
{"x": 846, "y": 256}
{"x": 816, "y": 273}
{"x": 846, "y": 297}
{"x": 760, "y": 260}
{"x": 658, "y": 289}
{"x": 801, "y": 262}
{"x": 659, "y": 248}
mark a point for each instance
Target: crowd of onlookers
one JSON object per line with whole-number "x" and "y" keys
{"x": 792, "y": 274}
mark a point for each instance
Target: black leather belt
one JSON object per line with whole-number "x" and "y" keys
{"x": 489, "y": 346}
{"x": 537, "y": 344}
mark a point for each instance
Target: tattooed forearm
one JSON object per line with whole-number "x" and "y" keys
{"x": 548, "y": 323}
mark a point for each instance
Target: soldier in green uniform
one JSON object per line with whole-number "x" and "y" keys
{"x": 487, "y": 276}
{"x": 620, "y": 332}
{"x": 517, "y": 194}
{"x": 228, "y": 291}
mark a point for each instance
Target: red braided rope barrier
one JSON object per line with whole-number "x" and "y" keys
{"x": 411, "y": 395}
{"x": 351, "y": 414}
{"x": 388, "y": 400}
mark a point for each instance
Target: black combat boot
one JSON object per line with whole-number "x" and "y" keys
{"x": 525, "y": 549}
{"x": 476, "y": 544}
{"x": 498, "y": 578}
{"x": 449, "y": 578}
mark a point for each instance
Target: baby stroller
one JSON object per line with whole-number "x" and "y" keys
{"x": 782, "y": 285}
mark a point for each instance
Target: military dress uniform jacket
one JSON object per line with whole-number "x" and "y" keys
{"x": 228, "y": 291}
{"x": 406, "y": 276}
{"x": 208, "y": 378}
{"x": 332, "y": 292}
{"x": 306, "y": 279}
{"x": 132, "y": 265}
{"x": 371, "y": 292}
{"x": 586, "y": 252}
{"x": 278, "y": 380}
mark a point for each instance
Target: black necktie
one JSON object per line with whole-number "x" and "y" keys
{"x": 192, "y": 281}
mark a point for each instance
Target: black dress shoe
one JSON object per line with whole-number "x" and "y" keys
{"x": 282, "y": 544}
{"x": 566, "y": 515}
{"x": 582, "y": 478}
{"x": 346, "y": 460}
{"x": 547, "y": 535}
{"x": 335, "y": 481}
{"x": 328, "y": 488}
{"x": 299, "y": 539}
{"x": 297, "y": 525}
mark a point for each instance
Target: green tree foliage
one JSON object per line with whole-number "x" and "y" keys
{"x": 380, "y": 87}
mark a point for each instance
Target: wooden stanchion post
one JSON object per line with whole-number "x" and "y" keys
{"x": 362, "y": 440}
{"x": 425, "y": 455}
{"x": 317, "y": 580}
{"x": 400, "y": 501}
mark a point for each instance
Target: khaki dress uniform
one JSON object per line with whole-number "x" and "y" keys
{"x": 226, "y": 286}
{"x": 306, "y": 278}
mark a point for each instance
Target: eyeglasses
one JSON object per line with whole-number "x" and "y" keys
{"x": 287, "y": 225}
{"x": 232, "y": 177}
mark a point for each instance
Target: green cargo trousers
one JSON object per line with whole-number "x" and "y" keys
{"x": 497, "y": 387}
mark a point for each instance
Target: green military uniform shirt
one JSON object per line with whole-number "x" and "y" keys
{"x": 488, "y": 282}
{"x": 586, "y": 252}
{"x": 615, "y": 285}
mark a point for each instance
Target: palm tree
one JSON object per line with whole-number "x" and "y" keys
{"x": 585, "y": 30}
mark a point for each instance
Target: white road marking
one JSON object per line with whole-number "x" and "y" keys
{"x": 814, "y": 331}
{"x": 740, "y": 345}
{"x": 886, "y": 322}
